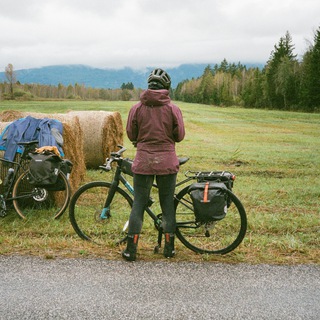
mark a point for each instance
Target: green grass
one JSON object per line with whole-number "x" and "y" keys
{"x": 274, "y": 154}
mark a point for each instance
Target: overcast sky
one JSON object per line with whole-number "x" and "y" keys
{"x": 141, "y": 33}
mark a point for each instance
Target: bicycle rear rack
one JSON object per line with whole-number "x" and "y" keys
{"x": 210, "y": 175}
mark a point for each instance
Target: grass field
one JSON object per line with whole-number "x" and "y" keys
{"x": 275, "y": 156}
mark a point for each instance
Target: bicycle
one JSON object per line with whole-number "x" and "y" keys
{"x": 26, "y": 198}
{"x": 99, "y": 211}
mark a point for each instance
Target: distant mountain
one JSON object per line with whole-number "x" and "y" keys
{"x": 102, "y": 78}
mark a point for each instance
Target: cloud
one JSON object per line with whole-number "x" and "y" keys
{"x": 140, "y": 33}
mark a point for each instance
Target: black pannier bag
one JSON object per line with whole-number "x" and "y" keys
{"x": 43, "y": 169}
{"x": 65, "y": 167}
{"x": 209, "y": 200}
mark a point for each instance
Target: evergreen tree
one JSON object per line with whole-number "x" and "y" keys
{"x": 128, "y": 86}
{"x": 252, "y": 93}
{"x": 283, "y": 49}
{"x": 205, "y": 91}
{"x": 224, "y": 66}
{"x": 285, "y": 80}
{"x": 310, "y": 76}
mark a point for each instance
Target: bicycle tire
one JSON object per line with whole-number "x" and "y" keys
{"x": 86, "y": 207}
{"x": 29, "y": 200}
{"x": 219, "y": 237}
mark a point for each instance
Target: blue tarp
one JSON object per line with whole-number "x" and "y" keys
{"x": 47, "y": 131}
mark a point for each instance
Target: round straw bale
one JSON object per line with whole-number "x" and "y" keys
{"x": 72, "y": 140}
{"x": 3, "y": 167}
{"x": 10, "y": 115}
{"x": 3, "y": 125}
{"x": 102, "y": 133}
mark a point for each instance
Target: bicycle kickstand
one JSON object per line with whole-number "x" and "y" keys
{"x": 157, "y": 248}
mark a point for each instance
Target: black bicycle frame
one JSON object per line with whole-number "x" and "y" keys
{"x": 16, "y": 173}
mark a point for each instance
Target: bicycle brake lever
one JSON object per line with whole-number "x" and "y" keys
{"x": 105, "y": 168}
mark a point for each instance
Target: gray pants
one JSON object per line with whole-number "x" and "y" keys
{"x": 142, "y": 185}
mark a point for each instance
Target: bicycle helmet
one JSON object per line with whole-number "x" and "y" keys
{"x": 159, "y": 79}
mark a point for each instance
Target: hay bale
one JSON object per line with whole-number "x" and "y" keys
{"x": 102, "y": 133}
{"x": 3, "y": 125}
{"x": 72, "y": 136}
{"x": 3, "y": 167}
{"x": 10, "y": 115}
{"x": 73, "y": 148}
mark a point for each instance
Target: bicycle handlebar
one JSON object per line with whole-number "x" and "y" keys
{"x": 119, "y": 152}
{"x": 114, "y": 156}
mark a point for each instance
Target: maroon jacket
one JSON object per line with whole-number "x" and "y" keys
{"x": 155, "y": 124}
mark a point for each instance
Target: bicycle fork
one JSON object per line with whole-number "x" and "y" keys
{"x": 106, "y": 212}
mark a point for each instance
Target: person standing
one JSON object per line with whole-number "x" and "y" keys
{"x": 154, "y": 125}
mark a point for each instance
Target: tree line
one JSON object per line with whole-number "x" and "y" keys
{"x": 14, "y": 90}
{"x": 284, "y": 83}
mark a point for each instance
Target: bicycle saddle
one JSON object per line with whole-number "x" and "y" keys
{"x": 183, "y": 160}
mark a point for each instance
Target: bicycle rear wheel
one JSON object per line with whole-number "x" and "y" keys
{"x": 217, "y": 237}
{"x": 90, "y": 218}
{"x": 29, "y": 200}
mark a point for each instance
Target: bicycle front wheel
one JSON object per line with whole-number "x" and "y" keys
{"x": 218, "y": 237}
{"x": 95, "y": 220}
{"x": 50, "y": 201}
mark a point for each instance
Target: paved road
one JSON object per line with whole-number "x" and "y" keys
{"x": 34, "y": 288}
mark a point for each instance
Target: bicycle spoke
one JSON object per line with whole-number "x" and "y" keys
{"x": 35, "y": 201}
{"x": 92, "y": 221}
